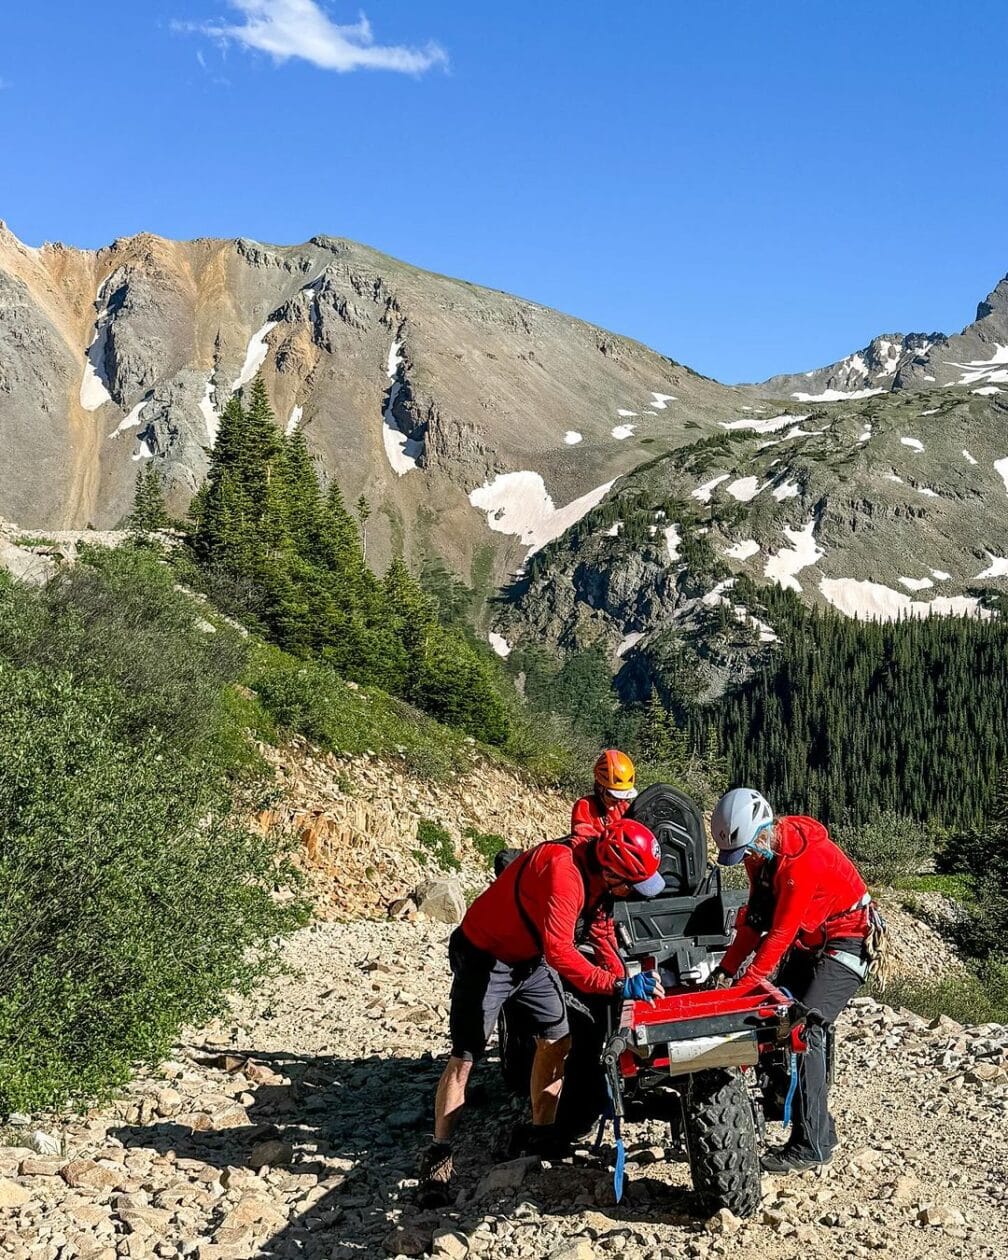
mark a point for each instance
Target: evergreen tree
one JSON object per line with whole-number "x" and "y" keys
{"x": 149, "y": 512}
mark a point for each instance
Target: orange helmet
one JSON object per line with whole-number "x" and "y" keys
{"x": 615, "y": 774}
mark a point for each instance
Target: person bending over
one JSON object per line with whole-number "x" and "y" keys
{"x": 807, "y": 919}
{"x": 516, "y": 943}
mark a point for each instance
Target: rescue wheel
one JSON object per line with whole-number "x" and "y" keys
{"x": 721, "y": 1141}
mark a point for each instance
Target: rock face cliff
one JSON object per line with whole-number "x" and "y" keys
{"x": 483, "y": 428}
{"x": 412, "y": 388}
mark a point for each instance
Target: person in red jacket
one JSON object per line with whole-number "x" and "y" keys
{"x": 516, "y": 943}
{"x": 615, "y": 777}
{"x": 807, "y": 921}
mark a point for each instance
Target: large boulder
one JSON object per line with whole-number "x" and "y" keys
{"x": 441, "y": 899}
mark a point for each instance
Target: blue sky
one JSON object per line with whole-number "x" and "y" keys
{"x": 748, "y": 187}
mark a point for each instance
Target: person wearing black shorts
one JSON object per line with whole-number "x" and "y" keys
{"x": 515, "y": 944}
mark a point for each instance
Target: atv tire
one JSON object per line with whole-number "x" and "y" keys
{"x": 721, "y": 1142}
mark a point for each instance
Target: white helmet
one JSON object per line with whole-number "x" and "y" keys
{"x": 738, "y": 818}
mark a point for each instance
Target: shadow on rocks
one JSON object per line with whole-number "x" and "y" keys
{"x": 343, "y": 1138}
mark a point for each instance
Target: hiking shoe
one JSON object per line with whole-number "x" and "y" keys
{"x": 788, "y": 1159}
{"x": 436, "y": 1170}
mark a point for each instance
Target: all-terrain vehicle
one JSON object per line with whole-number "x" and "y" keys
{"x": 715, "y": 1063}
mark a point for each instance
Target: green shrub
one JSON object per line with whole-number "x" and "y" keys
{"x": 486, "y": 843}
{"x": 436, "y": 845}
{"x": 132, "y": 899}
{"x": 307, "y": 697}
{"x": 969, "y": 997}
{"x": 888, "y": 848}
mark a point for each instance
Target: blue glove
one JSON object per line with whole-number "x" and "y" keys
{"x": 640, "y": 987}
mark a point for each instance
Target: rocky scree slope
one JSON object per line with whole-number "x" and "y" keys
{"x": 356, "y": 819}
{"x": 412, "y": 388}
{"x": 291, "y": 1128}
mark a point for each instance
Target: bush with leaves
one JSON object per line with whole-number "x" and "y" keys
{"x": 133, "y": 899}
{"x": 888, "y": 848}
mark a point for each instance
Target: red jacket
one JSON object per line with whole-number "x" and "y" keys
{"x": 552, "y": 880}
{"x": 816, "y": 890}
{"x": 588, "y": 818}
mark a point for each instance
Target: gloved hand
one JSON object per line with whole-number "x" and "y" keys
{"x": 718, "y": 979}
{"x": 643, "y": 987}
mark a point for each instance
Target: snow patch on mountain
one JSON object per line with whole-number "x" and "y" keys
{"x": 997, "y": 568}
{"x": 871, "y": 601}
{"x": 94, "y": 391}
{"x": 991, "y": 370}
{"x": 837, "y": 395}
{"x": 518, "y": 503}
{"x": 770, "y": 425}
{"x": 986, "y": 390}
{"x": 915, "y": 444}
{"x": 704, "y": 492}
{"x": 1001, "y": 468}
{"x": 401, "y": 450}
{"x": 572, "y": 437}
{"x": 786, "y": 490}
{"x": 744, "y": 549}
{"x": 916, "y": 584}
{"x": 940, "y": 575}
{"x": 631, "y": 640}
{"x": 623, "y": 431}
{"x": 661, "y": 401}
{"x": 672, "y": 541}
{"x": 499, "y": 644}
{"x": 133, "y": 419}
{"x": 744, "y": 488}
{"x": 968, "y": 457}
{"x": 622, "y": 411}
{"x": 294, "y": 420}
{"x": 804, "y": 551}
{"x": 208, "y": 412}
{"x": 255, "y": 356}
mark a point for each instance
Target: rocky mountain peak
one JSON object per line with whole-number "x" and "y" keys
{"x": 995, "y": 303}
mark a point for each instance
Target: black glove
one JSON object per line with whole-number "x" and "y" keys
{"x": 718, "y": 979}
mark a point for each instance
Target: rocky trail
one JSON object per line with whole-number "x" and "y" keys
{"x": 292, "y": 1128}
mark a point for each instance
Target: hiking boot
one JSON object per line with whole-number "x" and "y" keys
{"x": 789, "y": 1159}
{"x": 435, "y": 1173}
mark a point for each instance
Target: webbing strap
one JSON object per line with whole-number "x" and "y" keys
{"x": 851, "y": 961}
{"x": 792, "y": 1086}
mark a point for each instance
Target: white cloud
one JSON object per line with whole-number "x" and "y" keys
{"x": 302, "y": 28}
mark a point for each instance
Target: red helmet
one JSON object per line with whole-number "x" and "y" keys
{"x": 630, "y": 851}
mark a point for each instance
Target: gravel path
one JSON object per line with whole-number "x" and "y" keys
{"x": 292, "y": 1129}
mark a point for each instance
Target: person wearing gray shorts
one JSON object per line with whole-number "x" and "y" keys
{"x": 481, "y": 984}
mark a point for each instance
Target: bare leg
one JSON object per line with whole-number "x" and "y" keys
{"x": 547, "y": 1078}
{"x": 450, "y": 1098}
